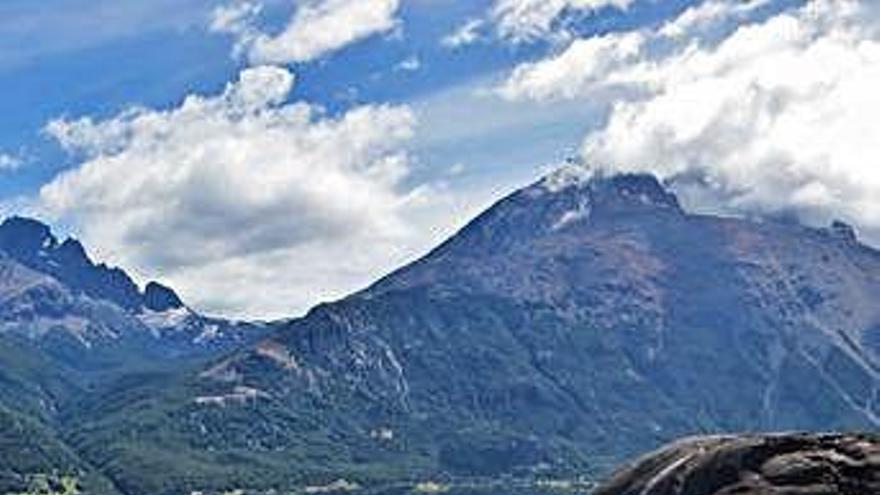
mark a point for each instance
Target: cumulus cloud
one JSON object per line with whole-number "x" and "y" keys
{"x": 410, "y": 64}
{"x": 9, "y": 163}
{"x": 708, "y": 15}
{"x": 317, "y": 28}
{"x": 523, "y": 20}
{"x": 466, "y": 34}
{"x": 618, "y": 59}
{"x": 249, "y": 204}
{"x": 774, "y": 115}
{"x": 238, "y": 19}
{"x": 585, "y": 64}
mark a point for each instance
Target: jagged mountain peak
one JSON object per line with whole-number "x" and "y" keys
{"x": 605, "y": 193}
{"x": 25, "y": 236}
{"x": 25, "y": 225}
{"x": 73, "y": 250}
{"x": 32, "y": 243}
{"x": 52, "y": 292}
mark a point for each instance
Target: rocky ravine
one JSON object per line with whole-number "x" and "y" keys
{"x": 797, "y": 464}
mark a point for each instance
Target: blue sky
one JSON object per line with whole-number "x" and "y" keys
{"x": 98, "y": 57}
{"x": 618, "y": 82}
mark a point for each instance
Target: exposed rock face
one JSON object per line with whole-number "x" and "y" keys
{"x": 158, "y": 297}
{"x": 798, "y": 464}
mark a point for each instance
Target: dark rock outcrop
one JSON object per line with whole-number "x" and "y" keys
{"x": 158, "y": 297}
{"x": 796, "y": 464}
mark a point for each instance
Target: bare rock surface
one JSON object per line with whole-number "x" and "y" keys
{"x": 794, "y": 464}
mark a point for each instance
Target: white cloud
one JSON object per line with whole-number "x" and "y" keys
{"x": 457, "y": 169}
{"x": 708, "y": 15}
{"x": 317, "y": 28}
{"x": 238, "y": 19}
{"x": 20, "y": 205}
{"x": 616, "y": 59}
{"x": 522, "y": 20}
{"x": 775, "y": 115}
{"x": 9, "y": 163}
{"x": 467, "y": 34}
{"x": 409, "y": 64}
{"x": 248, "y": 204}
{"x": 586, "y": 63}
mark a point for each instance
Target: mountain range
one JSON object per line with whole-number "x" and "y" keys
{"x": 579, "y": 321}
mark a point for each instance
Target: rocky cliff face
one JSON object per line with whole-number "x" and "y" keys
{"x": 756, "y": 465}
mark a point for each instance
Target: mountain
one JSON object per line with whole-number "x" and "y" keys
{"x": 577, "y": 322}
{"x": 755, "y": 465}
{"x": 70, "y": 330}
{"x": 52, "y": 291}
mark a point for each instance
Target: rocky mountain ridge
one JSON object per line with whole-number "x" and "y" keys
{"x": 52, "y": 288}
{"x": 32, "y": 244}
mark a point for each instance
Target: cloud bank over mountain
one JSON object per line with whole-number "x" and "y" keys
{"x": 244, "y": 190}
{"x": 751, "y": 113}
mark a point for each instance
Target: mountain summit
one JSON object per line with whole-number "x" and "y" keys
{"x": 609, "y": 193}
{"x": 53, "y": 294}
{"x": 568, "y": 196}
{"x": 32, "y": 244}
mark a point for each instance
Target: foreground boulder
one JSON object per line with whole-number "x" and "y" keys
{"x": 800, "y": 464}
